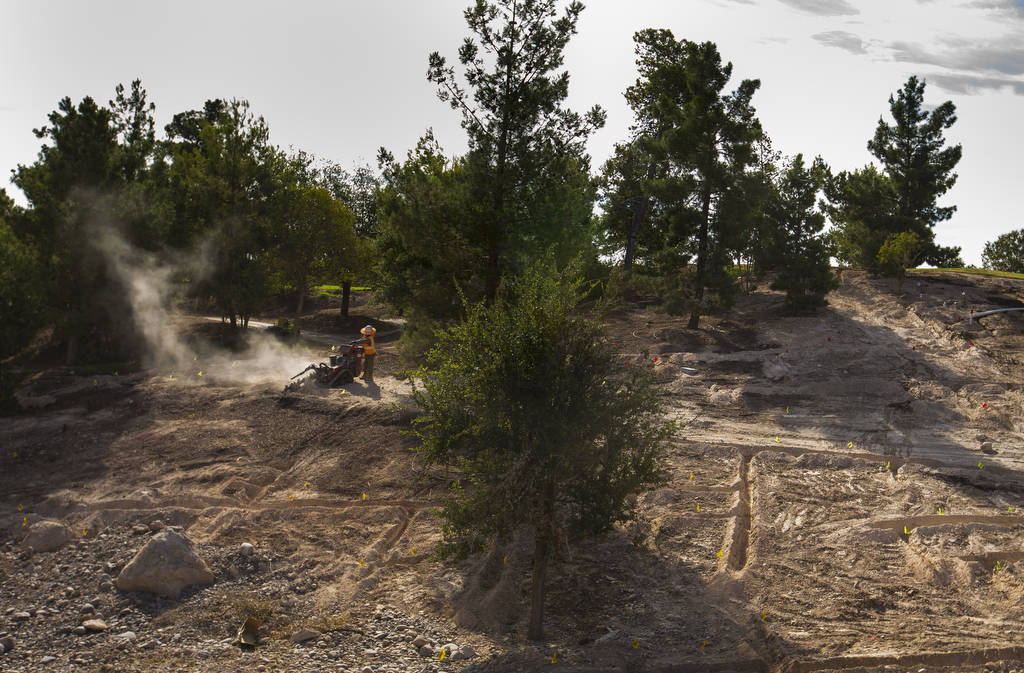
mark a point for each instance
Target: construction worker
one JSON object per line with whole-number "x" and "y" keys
{"x": 368, "y": 352}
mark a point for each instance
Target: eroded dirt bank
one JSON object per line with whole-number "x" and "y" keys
{"x": 844, "y": 495}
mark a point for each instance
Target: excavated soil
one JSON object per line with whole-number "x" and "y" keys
{"x": 844, "y": 494}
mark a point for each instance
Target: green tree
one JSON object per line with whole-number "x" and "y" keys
{"x": 429, "y": 248}
{"x": 1006, "y": 253}
{"x": 796, "y": 249}
{"x": 861, "y": 204}
{"x": 223, "y": 185}
{"x": 701, "y": 145}
{"x": 67, "y": 188}
{"x": 912, "y": 152}
{"x": 527, "y": 167}
{"x": 542, "y": 421}
{"x": 23, "y": 287}
{"x": 898, "y": 253}
{"x": 315, "y": 235}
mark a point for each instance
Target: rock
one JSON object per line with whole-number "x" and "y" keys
{"x": 21, "y": 616}
{"x": 157, "y": 525}
{"x": 127, "y": 637}
{"x": 48, "y": 659}
{"x": 419, "y": 641}
{"x": 44, "y": 536}
{"x": 426, "y": 651}
{"x": 246, "y": 549}
{"x": 249, "y": 633}
{"x": 139, "y": 529}
{"x": 79, "y": 631}
{"x": 164, "y": 566}
{"x": 449, "y": 649}
{"x": 986, "y": 446}
{"x": 467, "y": 651}
{"x": 8, "y": 643}
{"x": 302, "y": 635}
{"x": 366, "y": 669}
{"x": 88, "y": 609}
{"x": 94, "y": 625}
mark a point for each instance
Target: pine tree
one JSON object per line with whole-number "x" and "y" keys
{"x": 912, "y": 153}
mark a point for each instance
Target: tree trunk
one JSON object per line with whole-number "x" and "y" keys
{"x": 702, "y": 255}
{"x": 346, "y": 293}
{"x": 638, "y": 218}
{"x": 303, "y": 287}
{"x": 540, "y": 569}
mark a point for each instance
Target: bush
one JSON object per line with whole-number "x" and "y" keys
{"x": 1006, "y": 253}
{"x": 545, "y": 424}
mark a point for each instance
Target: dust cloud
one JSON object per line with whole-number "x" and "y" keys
{"x": 148, "y": 284}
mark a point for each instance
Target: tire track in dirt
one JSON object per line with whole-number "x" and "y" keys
{"x": 738, "y": 533}
{"x": 912, "y": 522}
{"x": 941, "y": 659}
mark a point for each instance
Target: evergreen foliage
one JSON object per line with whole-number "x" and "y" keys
{"x": 545, "y": 425}
{"x": 524, "y": 185}
{"x": 692, "y": 148}
{"x": 795, "y": 247}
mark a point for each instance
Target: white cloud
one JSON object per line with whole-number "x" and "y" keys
{"x": 841, "y": 39}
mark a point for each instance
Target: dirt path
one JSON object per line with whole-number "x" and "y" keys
{"x": 845, "y": 495}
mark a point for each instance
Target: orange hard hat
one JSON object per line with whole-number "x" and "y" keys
{"x": 369, "y": 329}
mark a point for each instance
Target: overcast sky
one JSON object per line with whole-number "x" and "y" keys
{"x": 341, "y": 79}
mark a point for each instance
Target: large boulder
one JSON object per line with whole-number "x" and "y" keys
{"x": 165, "y": 566}
{"x": 47, "y": 536}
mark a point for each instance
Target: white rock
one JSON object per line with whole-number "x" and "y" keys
{"x": 467, "y": 651}
{"x": 164, "y": 566}
{"x": 302, "y": 635}
{"x": 94, "y": 625}
{"x": 246, "y": 549}
{"x": 44, "y": 536}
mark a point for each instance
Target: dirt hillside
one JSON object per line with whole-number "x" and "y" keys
{"x": 844, "y": 495}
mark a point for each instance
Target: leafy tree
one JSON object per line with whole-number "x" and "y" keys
{"x": 358, "y": 190}
{"x": 912, "y": 152}
{"x": 429, "y": 248}
{"x": 66, "y": 188}
{"x": 223, "y": 186}
{"x": 897, "y": 254}
{"x": 861, "y": 204}
{"x": 797, "y": 251}
{"x": 527, "y": 167}
{"x": 23, "y": 286}
{"x": 544, "y": 424}
{"x": 1006, "y": 253}
{"x": 700, "y": 143}
{"x": 315, "y": 234}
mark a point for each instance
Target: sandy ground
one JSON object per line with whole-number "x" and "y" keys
{"x": 844, "y": 494}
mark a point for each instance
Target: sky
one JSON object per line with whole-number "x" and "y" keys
{"x": 340, "y": 79}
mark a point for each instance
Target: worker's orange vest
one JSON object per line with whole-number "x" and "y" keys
{"x": 368, "y": 345}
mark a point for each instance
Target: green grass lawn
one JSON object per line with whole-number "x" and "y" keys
{"x": 332, "y": 290}
{"x": 988, "y": 272}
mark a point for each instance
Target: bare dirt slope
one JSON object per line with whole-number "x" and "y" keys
{"x": 844, "y": 495}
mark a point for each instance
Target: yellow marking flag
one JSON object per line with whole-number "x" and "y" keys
{"x": 364, "y": 495}
{"x": 360, "y": 563}
{"x": 440, "y": 657}
{"x": 24, "y": 521}
{"x": 21, "y": 507}
{"x": 850, "y": 445}
{"x": 636, "y": 643}
{"x": 777, "y": 439}
{"x": 698, "y": 506}
{"x": 719, "y": 553}
{"x": 554, "y": 657}
{"x": 905, "y": 531}
{"x": 291, "y": 498}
